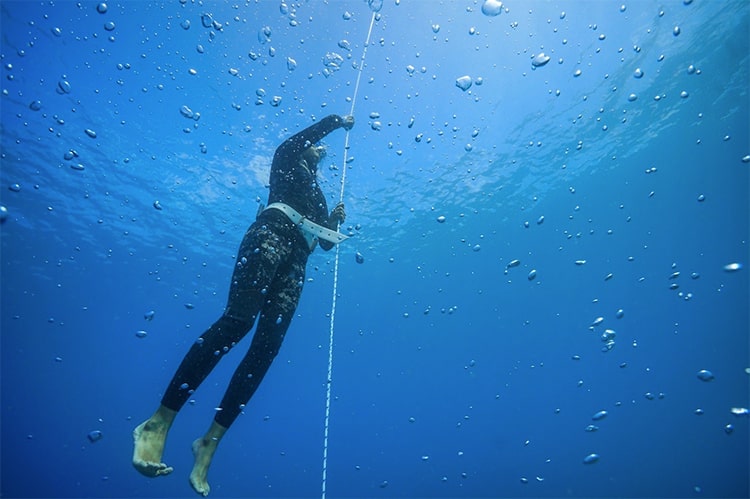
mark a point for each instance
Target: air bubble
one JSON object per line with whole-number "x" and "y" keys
{"x": 591, "y": 459}
{"x": 63, "y": 87}
{"x": 96, "y": 435}
{"x": 375, "y": 5}
{"x": 540, "y": 60}
{"x": 464, "y": 82}
{"x": 492, "y": 8}
{"x": 599, "y": 415}
{"x": 186, "y": 112}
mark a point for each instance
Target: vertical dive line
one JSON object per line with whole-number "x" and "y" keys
{"x": 329, "y": 376}
{"x": 354, "y": 102}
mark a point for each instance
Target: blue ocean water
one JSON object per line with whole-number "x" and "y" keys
{"x": 556, "y": 240}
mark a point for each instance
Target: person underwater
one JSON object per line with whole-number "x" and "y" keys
{"x": 266, "y": 287}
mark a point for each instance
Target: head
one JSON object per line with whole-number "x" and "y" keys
{"x": 314, "y": 155}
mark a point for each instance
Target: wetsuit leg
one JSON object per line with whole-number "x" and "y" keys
{"x": 274, "y": 321}
{"x": 258, "y": 260}
{"x": 202, "y": 358}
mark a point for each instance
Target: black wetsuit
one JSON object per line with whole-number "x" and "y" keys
{"x": 267, "y": 281}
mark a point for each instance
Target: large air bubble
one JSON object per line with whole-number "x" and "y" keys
{"x": 492, "y": 8}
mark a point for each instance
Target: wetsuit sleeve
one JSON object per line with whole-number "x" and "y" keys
{"x": 294, "y": 145}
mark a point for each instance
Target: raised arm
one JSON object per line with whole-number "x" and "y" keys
{"x": 300, "y": 141}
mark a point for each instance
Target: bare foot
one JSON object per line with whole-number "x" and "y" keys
{"x": 203, "y": 450}
{"x": 150, "y": 438}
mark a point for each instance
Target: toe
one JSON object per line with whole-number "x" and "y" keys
{"x": 150, "y": 469}
{"x": 164, "y": 470}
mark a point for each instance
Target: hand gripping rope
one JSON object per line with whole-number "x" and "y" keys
{"x": 329, "y": 377}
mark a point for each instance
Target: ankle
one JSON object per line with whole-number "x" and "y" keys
{"x": 215, "y": 432}
{"x": 163, "y": 417}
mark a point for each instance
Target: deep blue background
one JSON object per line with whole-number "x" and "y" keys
{"x": 452, "y": 376}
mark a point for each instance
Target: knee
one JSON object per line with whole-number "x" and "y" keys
{"x": 226, "y": 332}
{"x": 269, "y": 340}
{"x": 229, "y": 322}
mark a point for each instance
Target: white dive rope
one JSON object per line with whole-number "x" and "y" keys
{"x": 329, "y": 378}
